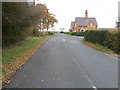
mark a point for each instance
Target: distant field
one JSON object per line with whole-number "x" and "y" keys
{"x": 112, "y": 30}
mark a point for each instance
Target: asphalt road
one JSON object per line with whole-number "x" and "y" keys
{"x": 64, "y": 62}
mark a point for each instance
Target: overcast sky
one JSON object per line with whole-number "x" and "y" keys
{"x": 105, "y": 11}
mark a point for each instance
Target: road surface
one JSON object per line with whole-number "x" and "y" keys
{"x": 64, "y": 62}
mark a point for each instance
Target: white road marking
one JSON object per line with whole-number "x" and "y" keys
{"x": 84, "y": 74}
{"x": 105, "y": 54}
{"x": 111, "y": 56}
{"x": 63, "y": 40}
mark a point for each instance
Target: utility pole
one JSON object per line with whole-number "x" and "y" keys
{"x": 119, "y": 15}
{"x": 118, "y": 23}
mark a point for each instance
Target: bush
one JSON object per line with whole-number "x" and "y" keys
{"x": 17, "y": 17}
{"x": 51, "y": 33}
{"x": 80, "y": 33}
{"x": 113, "y": 41}
{"x": 61, "y": 31}
{"x": 104, "y": 38}
{"x": 96, "y": 36}
{"x": 67, "y": 32}
{"x": 73, "y": 33}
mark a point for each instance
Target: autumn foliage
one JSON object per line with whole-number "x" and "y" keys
{"x": 18, "y": 16}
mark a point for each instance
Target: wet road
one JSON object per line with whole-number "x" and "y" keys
{"x": 64, "y": 62}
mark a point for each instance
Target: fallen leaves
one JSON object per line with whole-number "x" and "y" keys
{"x": 43, "y": 81}
{"x": 8, "y": 70}
{"x": 8, "y": 81}
{"x": 53, "y": 79}
{"x": 24, "y": 76}
{"x": 56, "y": 79}
{"x": 92, "y": 46}
{"x": 57, "y": 72}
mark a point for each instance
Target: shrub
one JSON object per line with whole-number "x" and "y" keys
{"x": 67, "y": 32}
{"x": 51, "y": 33}
{"x": 105, "y": 38}
{"x": 96, "y": 36}
{"x": 80, "y": 33}
{"x": 113, "y": 41}
{"x": 73, "y": 33}
{"x": 61, "y": 31}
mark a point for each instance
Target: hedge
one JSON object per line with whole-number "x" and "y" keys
{"x": 78, "y": 33}
{"x": 75, "y": 33}
{"x": 51, "y": 33}
{"x": 104, "y": 38}
{"x": 67, "y": 32}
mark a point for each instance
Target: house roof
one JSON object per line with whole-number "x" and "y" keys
{"x": 81, "y": 21}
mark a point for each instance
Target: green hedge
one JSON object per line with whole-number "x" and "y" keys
{"x": 61, "y": 32}
{"x": 104, "y": 38}
{"x": 51, "y": 33}
{"x": 67, "y": 32}
{"x": 75, "y": 33}
{"x": 78, "y": 33}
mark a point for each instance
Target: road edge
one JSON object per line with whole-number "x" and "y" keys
{"x": 29, "y": 54}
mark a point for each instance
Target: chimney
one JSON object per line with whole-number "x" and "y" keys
{"x": 86, "y": 15}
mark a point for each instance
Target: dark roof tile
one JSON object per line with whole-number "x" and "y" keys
{"x": 81, "y": 21}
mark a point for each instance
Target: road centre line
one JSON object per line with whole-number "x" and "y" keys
{"x": 94, "y": 87}
{"x": 84, "y": 74}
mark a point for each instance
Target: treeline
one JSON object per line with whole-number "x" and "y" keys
{"x": 104, "y": 38}
{"x": 18, "y": 16}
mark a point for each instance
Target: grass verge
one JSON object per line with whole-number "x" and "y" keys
{"x": 16, "y": 55}
{"x": 98, "y": 47}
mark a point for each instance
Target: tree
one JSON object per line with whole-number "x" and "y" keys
{"x": 15, "y": 19}
{"x": 17, "y": 16}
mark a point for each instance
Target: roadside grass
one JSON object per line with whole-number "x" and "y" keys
{"x": 16, "y": 55}
{"x": 9, "y": 53}
{"x": 98, "y": 47}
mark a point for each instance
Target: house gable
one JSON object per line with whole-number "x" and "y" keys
{"x": 91, "y": 24}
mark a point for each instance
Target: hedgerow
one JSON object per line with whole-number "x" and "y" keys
{"x": 104, "y": 38}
